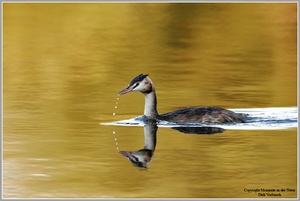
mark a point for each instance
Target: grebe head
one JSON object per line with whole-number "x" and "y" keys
{"x": 140, "y": 83}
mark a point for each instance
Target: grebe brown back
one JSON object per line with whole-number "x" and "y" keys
{"x": 144, "y": 84}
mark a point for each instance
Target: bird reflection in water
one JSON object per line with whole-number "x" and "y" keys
{"x": 143, "y": 157}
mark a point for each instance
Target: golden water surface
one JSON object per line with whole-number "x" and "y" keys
{"x": 64, "y": 63}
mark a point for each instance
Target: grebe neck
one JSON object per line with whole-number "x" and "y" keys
{"x": 150, "y": 136}
{"x": 150, "y": 110}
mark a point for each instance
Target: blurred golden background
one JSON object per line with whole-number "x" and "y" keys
{"x": 64, "y": 63}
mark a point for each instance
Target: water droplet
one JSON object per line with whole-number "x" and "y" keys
{"x": 114, "y": 132}
{"x": 116, "y": 143}
{"x": 114, "y": 113}
{"x": 117, "y": 103}
{"x": 115, "y": 139}
{"x": 116, "y": 106}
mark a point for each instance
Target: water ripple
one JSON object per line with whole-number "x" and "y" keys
{"x": 258, "y": 119}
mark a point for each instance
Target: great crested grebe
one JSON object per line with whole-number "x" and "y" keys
{"x": 144, "y": 84}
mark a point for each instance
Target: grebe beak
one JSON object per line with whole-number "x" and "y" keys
{"x": 125, "y": 91}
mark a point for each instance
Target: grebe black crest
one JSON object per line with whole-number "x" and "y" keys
{"x": 137, "y": 79}
{"x": 144, "y": 84}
